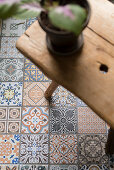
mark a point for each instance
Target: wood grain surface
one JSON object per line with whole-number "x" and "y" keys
{"x": 81, "y": 73}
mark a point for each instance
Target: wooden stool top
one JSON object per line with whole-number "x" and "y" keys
{"x": 81, "y": 74}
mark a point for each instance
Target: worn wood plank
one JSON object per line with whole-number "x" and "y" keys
{"x": 80, "y": 73}
{"x": 102, "y": 19}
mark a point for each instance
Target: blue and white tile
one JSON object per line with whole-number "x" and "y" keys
{"x": 33, "y": 73}
{"x": 11, "y": 93}
{"x": 62, "y": 97}
{"x": 8, "y": 48}
{"x": 11, "y": 69}
{"x": 80, "y": 103}
{"x": 7, "y": 63}
{"x": 13, "y": 27}
{"x": 31, "y": 21}
{"x": 11, "y": 75}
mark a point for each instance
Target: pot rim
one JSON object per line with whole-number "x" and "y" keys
{"x": 62, "y": 33}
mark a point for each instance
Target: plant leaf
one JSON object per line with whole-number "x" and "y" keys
{"x": 28, "y": 10}
{"x": 69, "y": 17}
{"x": 9, "y": 2}
{"x": 20, "y": 9}
{"x": 7, "y": 11}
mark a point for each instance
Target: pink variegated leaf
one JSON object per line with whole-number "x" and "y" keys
{"x": 9, "y": 2}
{"x": 29, "y": 10}
{"x": 69, "y": 17}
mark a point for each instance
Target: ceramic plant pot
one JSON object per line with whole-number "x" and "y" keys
{"x": 62, "y": 43}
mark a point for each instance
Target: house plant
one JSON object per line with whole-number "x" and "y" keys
{"x": 62, "y": 20}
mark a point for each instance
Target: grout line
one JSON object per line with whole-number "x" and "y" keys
{"x": 77, "y": 141}
{"x": 91, "y": 134}
{"x": 49, "y": 137}
{"x": 22, "y": 107}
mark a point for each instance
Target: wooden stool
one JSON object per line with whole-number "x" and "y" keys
{"x": 50, "y": 90}
{"x": 88, "y": 74}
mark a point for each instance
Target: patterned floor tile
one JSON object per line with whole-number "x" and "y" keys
{"x": 94, "y": 167}
{"x": 13, "y": 27}
{"x": 13, "y": 127}
{"x": 63, "y": 149}
{"x": 11, "y": 93}
{"x": 111, "y": 162}
{"x": 32, "y": 72}
{"x": 3, "y": 118}
{"x": 3, "y": 113}
{"x": 9, "y": 148}
{"x": 10, "y": 119}
{"x": 2, "y": 127}
{"x": 89, "y": 122}
{"x": 63, "y": 120}
{"x": 11, "y": 69}
{"x": 80, "y": 103}
{"x": 35, "y": 120}
{"x": 34, "y": 94}
{"x": 14, "y": 113}
{"x": 62, "y": 97}
{"x": 8, "y": 49}
{"x": 30, "y": 21}
{"x": 63, "y": 167}
{"x": 92, "y": 149}
{"x": 33, "y": 167}
{"x": 34, "y": 149}
{"x": 8, "y": 167}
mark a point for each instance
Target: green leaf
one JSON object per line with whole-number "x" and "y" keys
{"x": 28, "y": 10}
{"x": 29, "y": 1}
{"x": 7, "y": 11}
{"x": 23, "y": 9}
{"x": 68, "y": 17}
{"x": 25, "y": 14}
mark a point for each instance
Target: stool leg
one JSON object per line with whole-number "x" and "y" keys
{"x": 50, "y": 90}
{"x": 110, "y": 142}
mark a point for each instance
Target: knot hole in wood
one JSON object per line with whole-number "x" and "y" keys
{"x": 103, "y": 68}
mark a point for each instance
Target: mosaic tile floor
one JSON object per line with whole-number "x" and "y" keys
{"x": 63, "y": 134}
